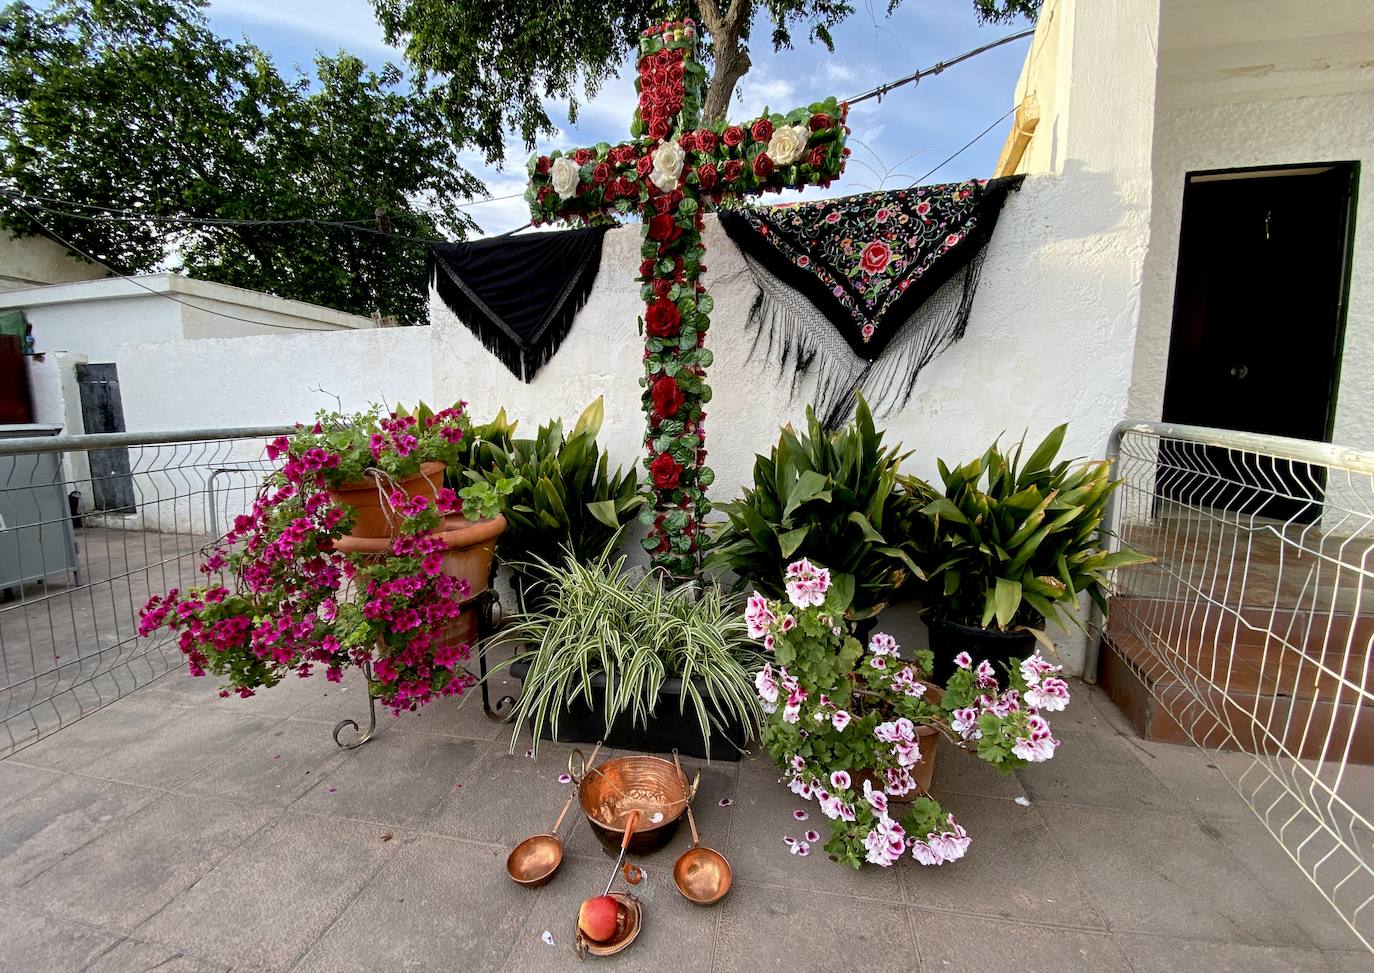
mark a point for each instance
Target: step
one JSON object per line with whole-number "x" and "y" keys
{"x": 1231, "y": 684}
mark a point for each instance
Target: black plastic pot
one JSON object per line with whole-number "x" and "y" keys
{"x": 948, "y": 639}
{"x": 669, "y": 728}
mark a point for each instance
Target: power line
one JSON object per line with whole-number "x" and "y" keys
{"x": 116, "y": 215}
{"x": 958, "y": 152}
{"x": 883, "y": 89}
{"x": 156, "y": 293}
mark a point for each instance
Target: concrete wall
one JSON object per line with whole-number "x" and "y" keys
{"x": 35, "y": 260}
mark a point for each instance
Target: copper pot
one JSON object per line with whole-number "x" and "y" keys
{"x": 608, "y": 794}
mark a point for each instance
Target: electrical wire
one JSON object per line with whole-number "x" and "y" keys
{"x": 915, "y": 78}
{"x": 960, "y": 151}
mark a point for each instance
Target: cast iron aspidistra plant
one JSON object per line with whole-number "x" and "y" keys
{"x": 1015, "y": 543}
{"x": 837, "y": 498}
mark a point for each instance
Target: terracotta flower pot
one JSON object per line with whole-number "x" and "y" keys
{"x": 927, "y": 742}
{"x": 468, "y": 548}
{"x": 372, "y": 516}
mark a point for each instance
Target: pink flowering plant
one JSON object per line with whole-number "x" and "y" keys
{"x": 280, "y": 599}
{"x": 845, "y": 721}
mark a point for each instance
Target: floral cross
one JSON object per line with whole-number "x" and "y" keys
{"x": 673, "y": 169}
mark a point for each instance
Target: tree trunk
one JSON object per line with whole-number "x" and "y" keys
{"x": 732, "y": 57}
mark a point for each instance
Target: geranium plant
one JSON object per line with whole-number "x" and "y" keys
{"x": 845, "y": 721}
{"x": 280, "y": 598}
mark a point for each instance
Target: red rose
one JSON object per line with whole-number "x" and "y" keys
{"x": 665, "y": 471}
{"x": 624, "y": 186}
{"x": 687, "y": 141}
{"x": 875, "y": 257}
{"x": 733, "y": 136}
{"x": 542, "y": 166}
{"x": 762, "y": 130}
{"x": 658, "y": 129}
{"x": 763, "y": 166}
{"x": 706, "y": 140}
{"x": 668, "y": 398}
{"x": 663, "y": 204}
{"x": 734, "y": 168}
{"x": 601, "y": 173}
{"x": 544, "y": 193}
{"x": 706, "y": 175}
{"x": 817, "y": 157}
{"x": 662, "y": 319}
{"x": 646, "y": 267}
{"x": 645, "y": 165}
{"x": 582, "y": 156}
{"x": 820, "y": 121}
{"x": 664, "y": 228}
{"x": 661, "y": 286}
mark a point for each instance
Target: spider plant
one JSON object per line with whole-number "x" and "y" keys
{"x": 602, "y": 620}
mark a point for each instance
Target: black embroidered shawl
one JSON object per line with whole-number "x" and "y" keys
{"x": 519, "y": 294}
{"x": 892, "y": 274}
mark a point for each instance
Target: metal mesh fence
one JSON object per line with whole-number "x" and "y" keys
{"x": 90, "y": 527}
{"x": 1252, "y": 628}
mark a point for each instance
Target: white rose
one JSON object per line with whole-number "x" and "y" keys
{"x": 564, "y": 175}
{"x": 787, "y": 144}
{"x": 668, "y": 159}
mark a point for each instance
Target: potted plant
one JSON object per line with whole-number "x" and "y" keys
{"x": 1011, "y": 546}
{"x": 835, "y": 497}
{"x": 565, "y": 502}
{"x": 289, "y": 589}
{"x": 855, "y": 728}
{"x": 379, "y": 453}
{"x": 610, "y": 654}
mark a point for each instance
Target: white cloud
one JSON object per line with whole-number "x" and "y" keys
{"x": 327, "y": 23}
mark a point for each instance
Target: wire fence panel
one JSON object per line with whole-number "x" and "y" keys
{"x": 90, "y": 527}
{"x": 1251, "y": 628}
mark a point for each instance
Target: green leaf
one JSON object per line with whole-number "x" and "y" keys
{"x": 790, "y": 541}
{"x": 605, "y": 512}
{"x": 809, "y": 486}
{"x": 1007, "y": 600}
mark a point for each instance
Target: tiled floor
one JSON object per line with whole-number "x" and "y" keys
{"x": 179, "y": 832}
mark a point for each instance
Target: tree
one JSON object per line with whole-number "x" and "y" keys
{"x": 494, "y": 61}
{"x": 136, "y": 134}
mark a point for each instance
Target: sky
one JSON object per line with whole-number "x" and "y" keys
{"x": 895, "y": 141}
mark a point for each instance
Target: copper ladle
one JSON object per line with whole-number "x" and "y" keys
{"x": 533, "y": 862}
{"x": 629, "y": 917}
{"x": 701, "y": 874}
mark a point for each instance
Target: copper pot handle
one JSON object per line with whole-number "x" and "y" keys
{"x": 582, "y": 763}
{"x": 691, "y": 793}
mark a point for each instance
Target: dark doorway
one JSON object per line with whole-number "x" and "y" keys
{"x": 1259, "y": 314}
{"x": 102, "y": 410}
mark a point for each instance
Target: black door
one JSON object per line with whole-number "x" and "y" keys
{"x": 1258, "y": 319}
{"x": 102, "y": 410}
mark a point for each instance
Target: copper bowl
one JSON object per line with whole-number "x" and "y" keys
{"x": 702, "y": 875}
{"x": 629, "y": 920}
{"x": 534, "y": 860}
{"x": 650, "y": 785}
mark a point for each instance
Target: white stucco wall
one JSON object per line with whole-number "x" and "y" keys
{"x": 34, "y": 260}
{"x": 269, "y": 379}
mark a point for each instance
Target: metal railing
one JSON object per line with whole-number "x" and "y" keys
{"x": 90, "y": 527}
{"x": 1251, "y": 627}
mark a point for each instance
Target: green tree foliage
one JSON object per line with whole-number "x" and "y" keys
{"x": 136, "y": 105}
{"x": 495, "y": 61}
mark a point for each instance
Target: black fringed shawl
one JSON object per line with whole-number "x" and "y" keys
{"x": 867, "y": 289}
{"x": 518, "y": 294}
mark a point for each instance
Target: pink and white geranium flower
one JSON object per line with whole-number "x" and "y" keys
{"x": 1035, "y": 666}
{"x": 806, "y": 584}
{"x": 1050, "y": 695}
{"x": 840, "y": 780}
{"x": 840, "y": 719}
{"x": 905, "y": 682}
{"x": 965, "y": 723}
{"x": 758, "y": 617}
{"x": 1039, "y": 745}
{"x": 767, "y": 688}
{"x": 963, "y": 660}
{"x": 882, "y": 644}
{"x": 885, "y": 843}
